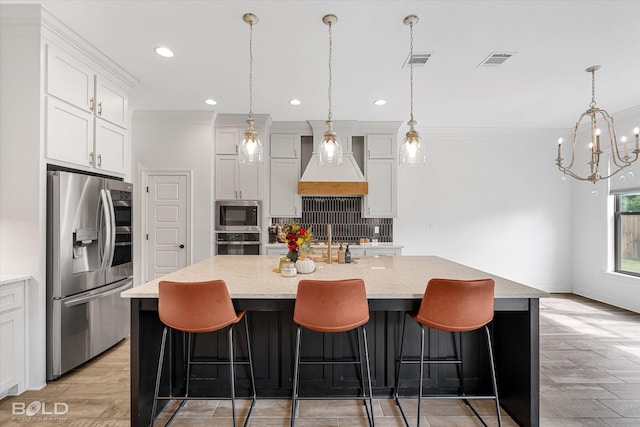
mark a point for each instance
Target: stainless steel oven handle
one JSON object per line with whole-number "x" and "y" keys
{"x": 238, "y": 243}
{"x": 86, "y": 298}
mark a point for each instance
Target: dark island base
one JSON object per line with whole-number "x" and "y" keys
{"x": 514, "y": 330}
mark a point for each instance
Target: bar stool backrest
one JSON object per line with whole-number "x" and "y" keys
{"x": 457, "y": 305}
{"x": 331, "y": 305}
{"x": 196, "y": 306}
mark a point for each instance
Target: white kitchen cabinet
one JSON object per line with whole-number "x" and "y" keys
{"x": 69, "y": 79}
{"x": 382, "y": 251}
{"x": 285, "y": 146}
{"x": 381, "y": 146}
{"x": 381, "y": 171}
{"x": 381, "y": 200}
{"x": 86, "y": 115}
{"x": 285, "y": 174}
{"x": 12, "y": 338}
{"x": 277, "y": 251}
{"x": 112, "y": 102}
{"x": 233, "y": 180}
{"x": 236, "y": 181}
{"x": 110, "y": 147}
{"x": 284, "y": 198}
{"x": 69, "y": 132}
{"x": 227, "y": 140}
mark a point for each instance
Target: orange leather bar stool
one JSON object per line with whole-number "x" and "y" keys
{"x": 452, "y": 306}
{"x": 332, "y": 306}
{"x": 194, "y": 308}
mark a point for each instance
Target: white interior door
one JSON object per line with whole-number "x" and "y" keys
{"x": 167, "y": 241}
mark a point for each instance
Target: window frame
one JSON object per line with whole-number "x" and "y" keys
{"x": 617, "y": 230}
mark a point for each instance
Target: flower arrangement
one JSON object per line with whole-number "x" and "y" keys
{"x": 298, "y": 239}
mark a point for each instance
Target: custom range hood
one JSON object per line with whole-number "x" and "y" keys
{"x": 345, "y": 179}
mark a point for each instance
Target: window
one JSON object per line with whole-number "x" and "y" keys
{"x": 627, "y": 233}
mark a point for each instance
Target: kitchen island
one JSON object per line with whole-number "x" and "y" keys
{"x": 394, "y": 285}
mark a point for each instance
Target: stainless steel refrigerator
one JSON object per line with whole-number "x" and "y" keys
{"x": 89, "y": 263}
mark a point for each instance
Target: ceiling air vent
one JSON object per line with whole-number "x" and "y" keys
{"x": 417, "y": 59}
{"x": 495, "y": 59}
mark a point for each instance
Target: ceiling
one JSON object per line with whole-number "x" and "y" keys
{"x": 542, "y": 85}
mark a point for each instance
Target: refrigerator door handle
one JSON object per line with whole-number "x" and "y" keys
{"x": 86, "y": 298}
{"x": 106, "y": 208}
{"x": 112, "y": 227}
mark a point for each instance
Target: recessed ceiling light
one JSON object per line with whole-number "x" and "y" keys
{"x": 379, "y": 102}
{"x": 295, "y": 101}
{"x": 210, "y": 101}
{"x": 164, "y": 52}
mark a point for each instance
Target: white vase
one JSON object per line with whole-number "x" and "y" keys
{"x": 305, "y": 266}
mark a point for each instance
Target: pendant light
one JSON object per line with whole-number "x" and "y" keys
{"x": 250, "y": 151}
{"x": 620, "y": 158}
{"x": 412, "y": 151}
{"x": 330, "y": 150}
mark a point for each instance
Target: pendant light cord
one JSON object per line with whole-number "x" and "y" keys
{"x": 330, "y": 79}
{"x": 251, "y": 71}
{"x": 411, "y": 68}
{"x": 593, "y": 89}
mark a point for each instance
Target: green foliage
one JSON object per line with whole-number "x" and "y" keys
{"x": 630, "y": 203}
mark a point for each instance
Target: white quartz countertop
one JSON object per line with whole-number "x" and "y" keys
{"x": 6, "y": 279}
{"x": 398, "y": 277}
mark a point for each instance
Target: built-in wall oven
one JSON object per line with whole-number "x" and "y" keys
{"x": 238, "y": 215}
{"x": 238, "y": 243}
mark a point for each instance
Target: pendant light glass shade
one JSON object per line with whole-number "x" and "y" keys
{"x": 330, "y": 152}
{"x": 250, "y": 151}
{"x": 412, "y": 151}
{"x": 330, "y": 149}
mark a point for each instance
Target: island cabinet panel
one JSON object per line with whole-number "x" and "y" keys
{"x": 273, "y": 333}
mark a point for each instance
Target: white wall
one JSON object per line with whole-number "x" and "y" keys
{"x": 491, "y": 199}
{"x": 592, "y": 230}
{"x": 176, "y": 140}
{"x": 23, "y": 176}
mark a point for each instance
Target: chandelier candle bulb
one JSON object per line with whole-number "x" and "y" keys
{"x": 598, "y": 140}
{"x": 636, "y": 132}
{"x": 559, "y": 149}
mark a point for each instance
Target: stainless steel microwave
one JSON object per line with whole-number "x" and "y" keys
{"x": 238, "y": 215}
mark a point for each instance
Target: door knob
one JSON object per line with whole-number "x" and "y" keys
{"x": 181, "y": 246}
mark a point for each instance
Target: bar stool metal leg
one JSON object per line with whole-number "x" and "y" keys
{"x": 493, "y": 374}
{"x": 251, "y": 374}
{"x": 296, "y": 372}
{"x": 158, "y": 374}
{"x": 370, "y": 417}
{"x": 232, "y": 375}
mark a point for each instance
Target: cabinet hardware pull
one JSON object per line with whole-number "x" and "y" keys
{"x": 91, "y": 102}
{"x": 91, "y": 158}
{"x": 99, "y": 160}
{"x": 99, "y": 108}
{"x": 241, "y": 194}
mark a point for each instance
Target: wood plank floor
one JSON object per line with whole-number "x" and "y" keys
{"x": 590, "y": 376}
